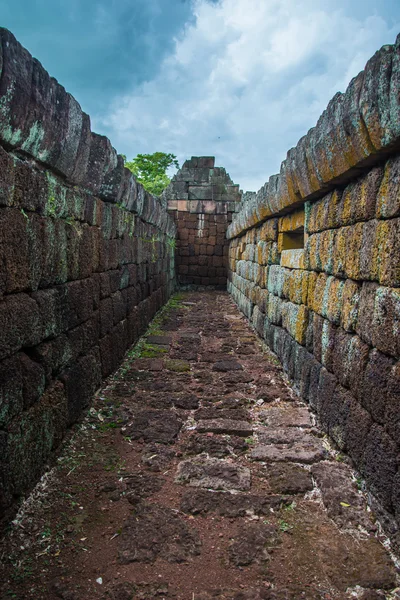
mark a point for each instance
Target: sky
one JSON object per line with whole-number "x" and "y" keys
{"x": 242, "y": 80}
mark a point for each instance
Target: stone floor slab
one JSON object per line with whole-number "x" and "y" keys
{"x": 229, "y": 426}
{"x": 213, "y": 473}
{"x": 297, "y": 453}
{"x": 160, "y": 426}
{"x": 289, "y": 416}
{"x": 217, "y": 446}
{"x": 251, "y": 544}
{"x": 157, "y": 532}
{"x": 226, "y": 504}
{"x": 288, "y": 478}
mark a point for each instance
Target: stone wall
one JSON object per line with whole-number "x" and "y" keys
{"x": 86, "y": 260}
{"x": 202, "y": 199}
{"x": 315, "y": 265}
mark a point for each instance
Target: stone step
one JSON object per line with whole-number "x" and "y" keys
{"x": 211, "y": 413}
{"x": 213, "y": 473}
{"x": 297, "y": 453}
{"x": 290, "y": 416}
{"x": 226, "y": 504}
{"x": 229, "y": 426}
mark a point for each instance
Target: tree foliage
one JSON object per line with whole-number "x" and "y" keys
{"x": 151, "y": 170}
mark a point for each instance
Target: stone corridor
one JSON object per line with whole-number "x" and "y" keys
{"x": 198, "y": 475}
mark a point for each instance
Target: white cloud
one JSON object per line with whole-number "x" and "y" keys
{"x": 245, "y": 81}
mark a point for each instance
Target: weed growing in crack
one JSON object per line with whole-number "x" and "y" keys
{"x": 290, "y": 507}
{"x": 144, "y": 350}
{"x": 284, "y": 526}
{"x": 23, "y": 569}
{"x": 116, "y": 466}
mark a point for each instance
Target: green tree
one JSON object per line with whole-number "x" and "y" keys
{"x": 151, "y": 170}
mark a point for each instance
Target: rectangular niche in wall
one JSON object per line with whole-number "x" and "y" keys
{"x": 291, "y": 240}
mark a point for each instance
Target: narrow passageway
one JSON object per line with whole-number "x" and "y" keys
{"x": 198, "y": 475}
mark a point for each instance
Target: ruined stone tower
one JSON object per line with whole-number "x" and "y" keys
{"x": 202, "y": 199}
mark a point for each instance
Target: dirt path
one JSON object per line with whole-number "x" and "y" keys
{"x": 197, "y": 475}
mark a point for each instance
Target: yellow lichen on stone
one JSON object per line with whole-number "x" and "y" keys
{"x": 354, "y": 244}
{"x": 295, "y": 287}
{"x": 295, "y": 321}
{"x": 301, "y": 325}
{"x": 346, "y": 206}
{"x": 371, "y": 244}
{"x": 388, "y": 251}
{"x": 340, "y": 251}
{"x": 316, "y": 294}
{"x": 268, "y": 231}
{"x": 291, "y": 222}
{"x": 350, "y": 305}
{"x": 293, "y": 259}
{"x": 332, "y": 305}
{"x": 388, "y": 198}
{"x": 325, "y": 249}
{"x": 311, "y": 283}
{"x": 311, "y": 256}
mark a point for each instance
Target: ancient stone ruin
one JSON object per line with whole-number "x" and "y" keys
{"x": 312, "y": 260}
{"x": 202, "y": 199}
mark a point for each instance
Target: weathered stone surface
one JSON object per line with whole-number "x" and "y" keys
{"x": 227, "y": 365}
{"x": 157, "y": 532}
{"x": 288, "y": 479}
{"x": 140, "y": 485}
{"x": 251, "y": 544}
{"x": 375, "y": 386}
{"x": 229, "y": 505}
{"x": 160, "y": 426}
{"x": 358, "y": 424}
{"x": 339, "y": 494}
{"x": 179, "y": 366}
{"x": 237, "y": 377}
{"x": 287, "y": 435}
{"x": 380, "y": 464}
{"x": 334, "y": 413}
{"x": 215, "y": 445}
{"x": 157, "y": 457}
{"x": 148, "y": 364}
{"x": 238, "y": 525}
{"x": 308, "y": 451}
{"x": 229, "y": 426}
{"x": 286, "y": 417}
{"x": 29, "y": 441}
{"x": 213, "y": 473}
{"x": 187, "y": 402}
{"x": 56, "y": 132}
{"x": 218, "y": 412}
{"x": 388, "y": 201}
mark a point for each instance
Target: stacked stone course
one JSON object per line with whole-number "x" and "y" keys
{"x": 331, "y": 311}
{"x": 202, "y": 199}
{"x": 86, "y": 260}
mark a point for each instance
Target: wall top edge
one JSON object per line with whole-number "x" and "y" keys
{"x": 359, "y": 128}
{"x": 40, "y": 119}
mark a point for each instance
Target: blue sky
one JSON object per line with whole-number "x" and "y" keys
{"x": 240, "y": 79}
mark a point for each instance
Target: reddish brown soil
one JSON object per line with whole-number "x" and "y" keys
{"x": 191, "y": 479}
